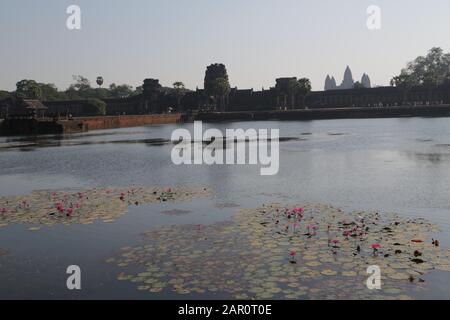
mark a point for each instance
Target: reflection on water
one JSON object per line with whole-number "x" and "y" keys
{"x": 434, "y": 158}
{"x": 37, "y": 142}
{"x": 391, "y": 165}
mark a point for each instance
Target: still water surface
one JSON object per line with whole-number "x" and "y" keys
{"x": 400, "y": 165}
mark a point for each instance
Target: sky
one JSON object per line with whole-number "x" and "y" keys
{"x": 126, "y": 41}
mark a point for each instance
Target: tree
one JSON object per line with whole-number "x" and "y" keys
{"x": 431, "y": 70}
{"x": 50, "y": 92}
{"x": 99, "y": 81}
{"x": 217, "y": 84}
{"x": 404, "y": 82}
{"x": 304, "y": 88}
{"x": 95, "y": 107}
{"x": 28, "y": 89}
{"x": 120, "y": 91}
{"x": 80, "y": 89}
{"x": 81, "y": 84}
{"x": 178, "y": 85}
{"x": 6, "y": 100}
{"x": 286, "y": 88}
{"x": 97, "y": 93}
{"x": 4, "y": 95}
{"x": 179, "y": 90}
{"x": 139, "y": 90}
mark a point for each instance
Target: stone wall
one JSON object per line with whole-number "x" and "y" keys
{"x": 32, "y": 126}
{"x": 12, "y": 127}
{"x": 328, "y": 113}
{"x": 99, "y": 123}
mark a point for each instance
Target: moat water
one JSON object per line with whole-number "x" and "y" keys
{"x": 389, "y": 165}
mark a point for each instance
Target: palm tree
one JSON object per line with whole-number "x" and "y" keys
{"x": 286, "y": 88}
{"x": 179, "y": 92}
{"x": 304, "y": 88}
{"x": 99, "y": 81}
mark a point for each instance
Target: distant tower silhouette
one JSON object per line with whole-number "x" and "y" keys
{"x": 330, "y": 83}
{"x": 348, "y": 81}
{"x": 333, "y": 83}
{"x": 327, "y": 83}
{"x": 365, "y": 81}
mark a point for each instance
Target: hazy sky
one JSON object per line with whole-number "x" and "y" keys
{"x": 126, "y": 41}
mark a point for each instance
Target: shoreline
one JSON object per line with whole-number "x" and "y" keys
{"x": 328, "y": 114}
{"x": 11, "y": 127}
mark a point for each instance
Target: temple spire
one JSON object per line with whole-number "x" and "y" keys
{"x": 348, "y": 81}
{"x": 327, "y": 83}
{"x": 365, "y": 81}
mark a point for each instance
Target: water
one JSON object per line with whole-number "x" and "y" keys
{"x": 400, "y": 165}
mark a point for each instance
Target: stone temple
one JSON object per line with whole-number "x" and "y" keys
{"x": 347, "y": 83}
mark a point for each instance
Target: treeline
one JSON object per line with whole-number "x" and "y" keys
{"x": 431, "y": 70}
{"x": 81, "y": 89}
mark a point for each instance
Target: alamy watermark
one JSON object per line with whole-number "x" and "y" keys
{"x": 214, "y": 147}
{"x": 374, "y": 281}
{"x": 74, "y": 280}
{"x": 374, "y": 19}
{"x": 73, "y": 21}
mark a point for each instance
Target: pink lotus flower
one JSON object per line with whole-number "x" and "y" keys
{"x": 69, "y": 212}
{"x": 375, "y": 248}
{"x": 292, "y": 255}
{"x": 3, "y": 210}
{"x": 59, "y": 207}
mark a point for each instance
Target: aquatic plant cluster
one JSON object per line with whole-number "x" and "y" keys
{"x": 66, "y": 207}
{"x": 312, "y": 251}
